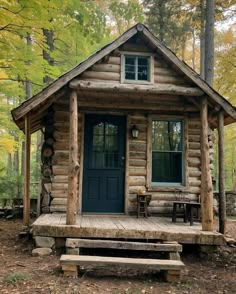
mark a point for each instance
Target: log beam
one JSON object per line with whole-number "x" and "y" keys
{"x": 26, "y": 212}
{"x": 222, "y": 200}
{"x": 206, "y": 180}
{"x": 73, "y": 162}
{"x": 126, "y": 88}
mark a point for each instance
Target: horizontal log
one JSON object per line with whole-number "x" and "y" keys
{"x": 137, "y": 162}
{"x": 137, "y": 171}
{"x": 136, "y": 189}
{"x": 59, "y": 201}
{"x": 192, "y": 131}
{"x": 194, "y": 138}
{"x": 163, "y": 71}
{"x": 137, "y": 146}
{"x": 113, "y": 60}
{"x": 169, "y": 80}
{"x": 137, "y": 155}
{"x": 194, "y": 173}
{"x": 194, "y": 146}
{"x": 132, "y": 104}
{"x": 194, "y": 153}
{"x": 158, "y": 89}
{"x": 60, "y": 170}
{"x": 137, "y": 181}
{"x": 58, "y": 208}
{"x": 60, "y": 179}
{"x": 110, "y": 76}
{"x": 166, "y": 197}
{"x": 61, "y": 186}
{"x": 194, "y": 162}
{"x": 103, "y": 67}
{"x": 59, "y": 193}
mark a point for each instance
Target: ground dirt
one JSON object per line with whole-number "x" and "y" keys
{"x": 214, "y": 273}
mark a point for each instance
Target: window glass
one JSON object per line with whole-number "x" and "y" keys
{"x": 137, "y": 68}
{"x": 143, "y": 69}
{"x": 130, "y": 68}
{"x": 105, "y": 146}
{"x": 167, "y": 151}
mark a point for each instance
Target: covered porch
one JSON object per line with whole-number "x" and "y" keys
{"x": 125, "y": 227}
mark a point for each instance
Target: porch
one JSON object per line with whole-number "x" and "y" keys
{"x": 125, "y": 227}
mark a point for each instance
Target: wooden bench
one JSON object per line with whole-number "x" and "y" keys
{"x": 172, "y": 248}
{"x": 188, "y": 207}
{"x": 171, "y": 268}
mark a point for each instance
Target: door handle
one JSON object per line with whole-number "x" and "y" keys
{"x": 122, "y": 162}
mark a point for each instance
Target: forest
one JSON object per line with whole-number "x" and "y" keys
{"x": 40, "y": 40}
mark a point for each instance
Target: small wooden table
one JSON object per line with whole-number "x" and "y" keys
{"x": 188, "y": 207}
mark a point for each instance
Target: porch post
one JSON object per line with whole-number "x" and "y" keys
{"x": 26, "y": 200}
{"x": 222, "y": 200}
{"x": 73, "y": 162}
{"x": 206, "y": 180}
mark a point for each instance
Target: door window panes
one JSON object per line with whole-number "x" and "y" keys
{"x": 105, "y": 146}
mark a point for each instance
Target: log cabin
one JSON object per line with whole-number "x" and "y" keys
{"x": 131, "y": 118}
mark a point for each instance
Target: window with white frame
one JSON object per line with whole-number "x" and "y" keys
{"x": 167, "y": 152}
{"x": 137, "y": 68}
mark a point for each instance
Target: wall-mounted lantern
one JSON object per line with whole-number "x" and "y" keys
{"x": 134, "y": 131}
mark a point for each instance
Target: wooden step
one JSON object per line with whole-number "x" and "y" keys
{"x": 109, "y": 244}
{"x": 70, "y": 264}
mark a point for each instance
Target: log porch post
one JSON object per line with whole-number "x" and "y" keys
{"x": 26, "y": 200}
{"x": 73, "y": 162}
{"x": 206, "y": 180}
{"x": 222, "y": 200}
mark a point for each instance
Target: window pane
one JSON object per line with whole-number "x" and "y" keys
{"x": 105, "y": 146}
{"x": 167, "y": 167}
{"x": 167, "y": 136}
{"x": 130, "y": 68}
{"x": 143, "y": 69}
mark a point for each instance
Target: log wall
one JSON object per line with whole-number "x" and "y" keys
{"x": 138, "y": 109}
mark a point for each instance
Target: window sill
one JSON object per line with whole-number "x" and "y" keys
{"x": 137, "y": 82}
{"x": 184, "y": 189}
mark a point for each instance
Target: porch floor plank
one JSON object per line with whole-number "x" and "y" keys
{"x": 128, "y": 227}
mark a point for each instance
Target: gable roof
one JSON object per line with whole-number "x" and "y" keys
{"x": 49, "y": 92}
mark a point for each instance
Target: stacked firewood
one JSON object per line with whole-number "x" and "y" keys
{"x": 47, "y": 153}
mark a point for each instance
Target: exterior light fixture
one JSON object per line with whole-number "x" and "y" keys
{"x": 134, "y": 131}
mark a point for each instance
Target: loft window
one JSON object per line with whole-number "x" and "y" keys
{"x": 167, "y": 152}
{"x": 136, "y": 68}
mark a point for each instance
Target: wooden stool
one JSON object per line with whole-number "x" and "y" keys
{"x": 142, "y": 204}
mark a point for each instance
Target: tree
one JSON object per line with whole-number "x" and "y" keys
{"x": 209, "y": 42}
{"x": 170, "y": 21}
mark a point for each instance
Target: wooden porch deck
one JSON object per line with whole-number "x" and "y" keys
{"x": 125, "y": 227}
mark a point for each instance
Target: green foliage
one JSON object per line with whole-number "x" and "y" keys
{"x": 16, "y": 277}
{"x": 11, "y": 187}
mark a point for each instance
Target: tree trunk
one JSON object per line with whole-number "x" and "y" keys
{"x": 162, "y": 23}
{"x": 9, "y": 165}
{"x": 28, "y": 83}
{"x": 209, "y": 42}
{"x": 194, "y": 49}
{"x": 48, "y": 34}
{"x": 202, "y": 41}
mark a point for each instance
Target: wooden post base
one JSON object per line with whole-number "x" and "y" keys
{"x": 70, "y": 270}
{"x": 172, "y": 276}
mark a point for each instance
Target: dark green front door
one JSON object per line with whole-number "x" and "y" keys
{"x": 104, "y": 164}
